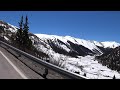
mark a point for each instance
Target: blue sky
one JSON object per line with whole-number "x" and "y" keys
{"x": 89, "y": 25}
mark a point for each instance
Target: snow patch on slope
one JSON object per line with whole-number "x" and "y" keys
{"x": 13, "y": 29}
{"x": 8, "y": 26}
{"x": 6, "y": 38}
{"x": 98, "y": 44}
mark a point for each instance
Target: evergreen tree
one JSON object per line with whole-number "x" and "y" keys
{"x": 19, "y": 33}
{"x": 22, "y": 36}
{"x": 26, "y": 41}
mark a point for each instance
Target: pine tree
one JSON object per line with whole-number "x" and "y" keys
{"x": 22, "y": 36}
{"x": 26, "y": 41}
{"x": 19, "y": 34}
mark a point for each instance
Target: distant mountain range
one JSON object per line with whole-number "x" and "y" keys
{"x": 68, "y": 45}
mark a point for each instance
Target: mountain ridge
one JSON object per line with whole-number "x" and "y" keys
{"x": 103, "y": 43}
{"x": 91, "y": 45}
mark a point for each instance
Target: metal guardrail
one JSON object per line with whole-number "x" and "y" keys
{"x": 55, "y": 68}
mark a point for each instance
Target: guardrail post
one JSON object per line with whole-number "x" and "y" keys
{"x": 46, "y": 71}
{"x": 114, "y": 77}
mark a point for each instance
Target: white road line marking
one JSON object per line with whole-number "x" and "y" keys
{"x": 21, "y": 74}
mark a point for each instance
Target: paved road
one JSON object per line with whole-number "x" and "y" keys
{"x": 8, "y": 70}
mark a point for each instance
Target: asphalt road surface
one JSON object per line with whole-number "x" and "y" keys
{"x": 8, "y": 70}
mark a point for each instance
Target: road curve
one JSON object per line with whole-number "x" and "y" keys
{"x": 8, "y": 70}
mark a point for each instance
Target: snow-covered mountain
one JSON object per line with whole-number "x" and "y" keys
{"x": 107, "y": 44}
{"x": 110, "y": 44}
{"x": 73, "y": 54}
{"x": 69, "y": 43}
{"x": 87, "y": 43}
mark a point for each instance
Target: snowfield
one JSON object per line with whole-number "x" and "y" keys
{"x": 89, "y": 66}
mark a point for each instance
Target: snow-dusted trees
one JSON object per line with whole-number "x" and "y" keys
{"x": 58, "y": 60}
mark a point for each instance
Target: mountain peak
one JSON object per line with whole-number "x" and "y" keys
{"x": 110, "y": 44}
